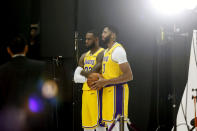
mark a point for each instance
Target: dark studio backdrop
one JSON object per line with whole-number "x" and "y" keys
{"x": 136, "y": 33}
{"x": 158, "y": 66}
{"x": 56, "y": 40}
{"x": 15, "y": 17}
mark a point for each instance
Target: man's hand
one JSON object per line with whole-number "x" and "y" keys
{"x": 97, "y": 85}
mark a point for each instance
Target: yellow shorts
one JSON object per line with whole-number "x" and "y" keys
{"x": 90, "y": 109}
{"x": 114, "y": 102}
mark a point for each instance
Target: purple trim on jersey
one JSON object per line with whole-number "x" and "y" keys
{"x": 116, "y": 84}
{"x": 119, "y": 100}
{"x": 90, "y": 127}
{"x": 100, "y": 102}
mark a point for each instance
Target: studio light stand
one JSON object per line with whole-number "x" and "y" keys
{"x": 166, "y": 36}
{"x": 56, "y": 63}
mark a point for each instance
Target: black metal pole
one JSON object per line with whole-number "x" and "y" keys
{"x": 76, "y": 56}
{"x": 174, "y": 89}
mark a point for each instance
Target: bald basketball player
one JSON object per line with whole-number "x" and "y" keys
{"x": 90, "y": 62}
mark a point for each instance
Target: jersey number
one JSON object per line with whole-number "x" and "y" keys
{"x": 88, "y": 69}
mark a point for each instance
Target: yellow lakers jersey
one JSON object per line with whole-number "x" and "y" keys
{"x": 89, "y": 63}
{"x": 110, "y": 68}
{"x": 115, "y": 96}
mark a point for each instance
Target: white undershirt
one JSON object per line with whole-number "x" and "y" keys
{"x": 119, "y": 55}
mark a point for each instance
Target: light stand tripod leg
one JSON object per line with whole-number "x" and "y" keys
{"x": 121, "y": 123}
{"x": 113, "y": 124}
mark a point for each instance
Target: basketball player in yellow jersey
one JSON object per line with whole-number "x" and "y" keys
{"x": 116, "y": 73}
{"x": 90, "y": 62}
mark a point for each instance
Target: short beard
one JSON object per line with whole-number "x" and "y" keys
{"x": 107, "y": 40}
{"x": 91, "y": 46}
